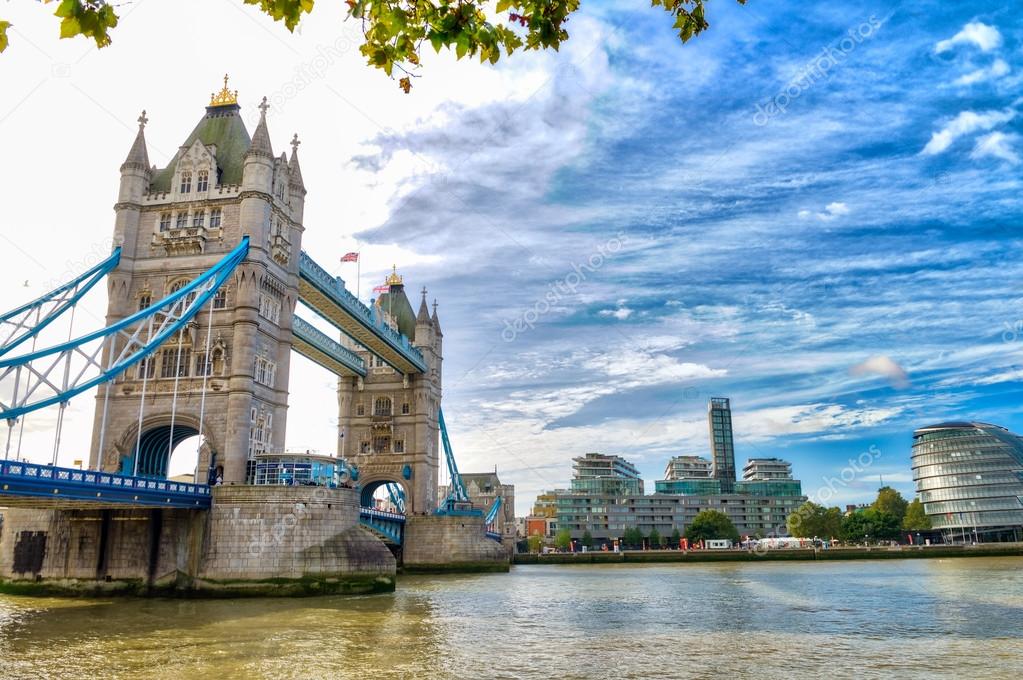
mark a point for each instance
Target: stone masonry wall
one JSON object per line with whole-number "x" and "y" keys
{"x": 451, "y": 543}
{"x": 303, "y": 539}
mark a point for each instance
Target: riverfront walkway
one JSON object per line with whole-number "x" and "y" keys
{"x": 781, "y": 555}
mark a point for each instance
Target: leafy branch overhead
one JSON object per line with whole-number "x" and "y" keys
{"x": 396, "y": 30}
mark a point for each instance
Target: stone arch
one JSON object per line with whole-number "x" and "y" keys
{"x": 158, "y": 440}
{"x": 368, "y": 487}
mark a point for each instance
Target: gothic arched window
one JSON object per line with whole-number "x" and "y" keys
{"x": 382, "y": 406}
{"x": 202, "y": 180}
{"x": 186, "y": 182}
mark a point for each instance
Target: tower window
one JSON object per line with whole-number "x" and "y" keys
{"x": 175, "y": 363}
{"x": 182, "y": 220}
{"x": 360, "y": 410}
{"x": 220, "y": 299}
{"x": 264, "y": 371}
{"x": 399, "y": 446}
{"x": 215, "y": 218}
{"x": 165, "y": 221}
{"x": 146, "y": 367}
{"x": 199, "y": 218}
{"x": 186, "y": 182}
{"x": 405, "y": 409}
{"x": 382, "y": 407}
{"x": 144, "y": 301}
{"x": 202, "y": 181}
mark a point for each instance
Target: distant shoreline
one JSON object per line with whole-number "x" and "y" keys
{"x": 780, "y": 555}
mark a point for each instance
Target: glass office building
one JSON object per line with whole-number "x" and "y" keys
{"x": 970, "y": 480}
{"x": 719, "y": 418}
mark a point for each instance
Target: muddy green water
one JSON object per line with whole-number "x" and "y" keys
{"x": 960, "y": 618}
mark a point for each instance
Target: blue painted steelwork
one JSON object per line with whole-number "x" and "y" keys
{"x": 389, "y": 524}
{"x": 457, "y": 501}
{"x": 176, "y": 310}
{"x": 62, "y": 298}
{"x": 493, "y": 535}
{"x": 492, "y": 514}
{"x": 316, "y": 346}
{"x": 29, "y": 484}
{"x": 325, "y": 293}
{"x": 397, "y": 496}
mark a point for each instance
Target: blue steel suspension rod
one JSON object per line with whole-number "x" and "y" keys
{"x": 211, "y": 279}
{"x": 458, "y": 492}
{"x": 492, "y": 514}
{"x": 86, "y": 280}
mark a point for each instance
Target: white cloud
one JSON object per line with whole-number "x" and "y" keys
{"x": 996, "y": 145}
{"x": 882, "y": 365}
{"x": 621, "y": 313}
{"x": 963, "y": 124}
{"x": 975, "y": 33}
{"x": 830, "y": 212}
{"x": 998, "y": 69}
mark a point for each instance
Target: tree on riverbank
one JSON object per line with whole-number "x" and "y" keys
{"x": 871, "y": 525}
{"x": 535, "y": 543}
{"x": 563, "y": 539}
{"x": 711, "y": 525}
{"x": 676, "y": 537}
{"x": 656, "y": 540}
{"x": 811, "y": 520}
{"x": 916, "y": 519}
{"x": 587, "y": 539}
{"x": 891, "y": 501}
{"x": 632, "y": 538}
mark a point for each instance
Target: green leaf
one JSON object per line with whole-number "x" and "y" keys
{"x": 503, "y": 6}
{"x": 70, "y": 27}
{"x": 4, "y": 25}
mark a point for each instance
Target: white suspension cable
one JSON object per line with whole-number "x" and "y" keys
{"x": 67, "y": 374}
{"x": 207, "y": 368}
{"x": 21, "y": 428}
{"x": 103, "y": 422}
{"x": 174, "y": 398}
{"x": 142, "y": 401}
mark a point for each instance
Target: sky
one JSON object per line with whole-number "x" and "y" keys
{"x": 812, "y": 209}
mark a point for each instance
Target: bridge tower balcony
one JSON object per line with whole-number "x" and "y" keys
{"x": 183, "y": 240}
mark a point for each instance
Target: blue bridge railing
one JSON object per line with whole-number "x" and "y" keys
{"x": 21, "y": 480}
{"x": 390, "y": 524}
{"x": 334, "y": 287}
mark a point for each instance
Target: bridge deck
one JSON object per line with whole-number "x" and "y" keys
{"x": 45, "y": 486}
{"x": 316, "y": 346}
{"x": 328, "y": 296}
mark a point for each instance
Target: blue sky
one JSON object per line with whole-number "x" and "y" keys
{"x": 867, "y": 219}
{"x": 811, "y": 209}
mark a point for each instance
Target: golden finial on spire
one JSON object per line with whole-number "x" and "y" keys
{"x": 225, "y": 97}
{"x": 394, "y": 279}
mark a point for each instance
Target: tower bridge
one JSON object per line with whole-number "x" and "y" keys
{"x": 201, "y": 321}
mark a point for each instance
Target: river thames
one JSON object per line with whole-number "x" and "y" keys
{"x": 959, "y": 618}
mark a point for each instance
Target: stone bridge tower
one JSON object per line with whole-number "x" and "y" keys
{"x": 388, "y": 421}
{"x": 173, "y": 224}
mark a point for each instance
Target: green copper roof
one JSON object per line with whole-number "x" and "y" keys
{"x": 224, "y": 128}
{"x": 397, "y": 305}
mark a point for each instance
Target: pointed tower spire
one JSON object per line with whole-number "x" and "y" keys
{"x": 296, "y": 172}
{"x": 435, "y": 320}
{"x": 424, "y": 314}
{"x": 138, "y": 158}
{"x": 261, "y": 138}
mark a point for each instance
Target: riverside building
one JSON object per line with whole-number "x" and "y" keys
{"x": 970, "y": 479}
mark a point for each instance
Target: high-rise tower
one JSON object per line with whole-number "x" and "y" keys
{"x": 719, "y": 418}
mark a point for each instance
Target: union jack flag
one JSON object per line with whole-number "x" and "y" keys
{"x": 350, "y": 257}
{"x": 382, "y": 289}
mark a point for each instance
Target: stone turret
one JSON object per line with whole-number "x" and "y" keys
{"x": 296, "y": 187}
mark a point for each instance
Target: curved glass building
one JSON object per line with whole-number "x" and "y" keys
{"x": 970, "y": 480}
